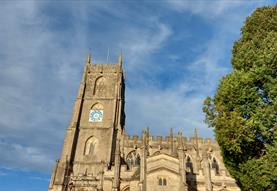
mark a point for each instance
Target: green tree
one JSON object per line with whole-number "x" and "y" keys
{"x": 243, "y": 111}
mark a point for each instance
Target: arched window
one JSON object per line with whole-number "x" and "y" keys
{"x": 96, "y": 113}
{"x": 215, "y": 166}
{"x": 133, "y": 158}
{"x": 90, "y": 149}
{"x": 137, "y": 162}
{"x": 189, "y": 165}
{"x": 91, "y": 143}
{"x": 162, "y": 182}
{"x": 100, "y": 86}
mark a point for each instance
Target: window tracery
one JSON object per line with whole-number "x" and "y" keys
{"x": 133, "y": 158}
{"x": 100, "y": 86}
{"x": 90, "y": 146}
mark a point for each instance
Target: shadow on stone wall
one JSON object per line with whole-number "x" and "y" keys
{"x": 191, "y": 181}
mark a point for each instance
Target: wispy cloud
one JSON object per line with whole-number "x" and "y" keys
{"x": 211, "y": 9}
{"x": 144, "y": 42}
{"x": 39, "y": 178}
{"x": 42, "y": 51}
{"x": 25, "y": 157}
{"x": 179, "y": 105}
{"x": 34, "y": 67}
{"x": 164, "y": 109}
{"x": 3, "y": 173}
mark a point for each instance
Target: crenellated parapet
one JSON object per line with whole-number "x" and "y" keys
{"x": 193, "y": 149}
{"x": 98, "y": 155}
{"x": 105, "y": 68}
{"x": 135, "y": 140}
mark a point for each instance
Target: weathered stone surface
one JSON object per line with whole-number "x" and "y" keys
{"x": 98, "y": 155}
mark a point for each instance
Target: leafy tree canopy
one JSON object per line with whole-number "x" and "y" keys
{"x": 243, "y": 111}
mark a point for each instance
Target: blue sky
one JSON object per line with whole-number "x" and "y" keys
{"x": 174, "y": 54}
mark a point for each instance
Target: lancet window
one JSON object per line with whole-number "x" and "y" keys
{"x": 162, "y": 182}
{"x": 189, "y": 165}
{"x": 91, "y": 143}
{"x": 215, "y": 166}
{"x": 100, "y": 86}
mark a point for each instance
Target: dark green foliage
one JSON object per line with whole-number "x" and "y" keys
{"x": 243, "y": 111}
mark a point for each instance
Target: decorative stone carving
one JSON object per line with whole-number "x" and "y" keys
{"x": 93, "y": 159}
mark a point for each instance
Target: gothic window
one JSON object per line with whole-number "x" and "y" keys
{"x": 137, "y": 162}
{"x": 100, "y": 86}
{"x": 133, "y": 158}
{"x": 215, "y": 166}
{"x": 96, "y": 113}
{"x": 90, "y": 146}
{"x": 162, "y": 182}
{"x": 189, "y": 165}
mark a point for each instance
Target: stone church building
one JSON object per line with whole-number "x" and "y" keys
{"x": 98, "y": 155}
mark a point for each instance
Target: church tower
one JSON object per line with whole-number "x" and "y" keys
{"x": 95, "y": 130}
{"x": 97, "y": 155}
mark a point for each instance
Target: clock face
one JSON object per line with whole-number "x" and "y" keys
{"x": 96, "y": 115}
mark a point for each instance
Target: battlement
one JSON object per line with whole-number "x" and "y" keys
{"x": 97, "y": 155}
{"x": 167, "y": 139}
{"x": 105, "y": 68}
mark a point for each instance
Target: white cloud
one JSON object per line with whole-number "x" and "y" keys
{"x": 149, "y": 41}
{"x": 41, "y": 67}
{"x": 34, "y": 84}
{"x": 138, "y": 47}
{"x": 164, "y": 109}
{"x": 211, "y": 9}
{"x": 3, "y": 173}
{"x": 24, "y": 157}
{"x": 174, "y": 106}
{"x": 39, "y": 178}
